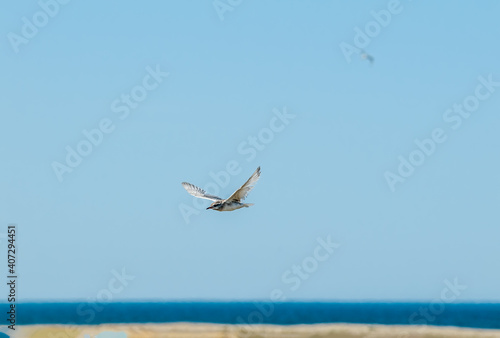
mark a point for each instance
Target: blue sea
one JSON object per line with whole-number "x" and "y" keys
{"x": 485, "y": 316}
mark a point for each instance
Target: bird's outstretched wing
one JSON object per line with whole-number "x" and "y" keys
{"x": 198, "y": 192}
{"x": 243, "y": 191}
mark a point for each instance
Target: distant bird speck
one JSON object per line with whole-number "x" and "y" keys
{"x": 366, "y": 56}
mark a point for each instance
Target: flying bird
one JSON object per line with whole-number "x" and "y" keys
{"x": 366, "y": 56}
{"x": 233, "y": 202}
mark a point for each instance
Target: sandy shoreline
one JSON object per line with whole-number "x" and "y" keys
{"x": 195, "y": 330}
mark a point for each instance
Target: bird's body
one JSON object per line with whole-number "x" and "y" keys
{"x": 230, "y": 206}
{"x": 233, "y": 202}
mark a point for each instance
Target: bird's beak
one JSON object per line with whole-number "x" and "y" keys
{"x": 209, "y": 208}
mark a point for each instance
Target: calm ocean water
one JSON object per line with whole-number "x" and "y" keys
{"x": 464, "y": 315}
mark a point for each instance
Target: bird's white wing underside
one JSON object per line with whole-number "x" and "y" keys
{"x": 243, "y": 191}
{"x": 198, "y": 192}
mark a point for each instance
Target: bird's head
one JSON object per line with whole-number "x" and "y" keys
{"x": 215, "y": 206}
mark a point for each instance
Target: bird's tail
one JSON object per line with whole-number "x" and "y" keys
{"x": 248, "y": 205}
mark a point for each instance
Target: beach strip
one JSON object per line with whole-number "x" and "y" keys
{"x": 205, "y": 330}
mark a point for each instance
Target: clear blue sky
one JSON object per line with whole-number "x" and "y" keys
{"x": 323, "y": 173}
